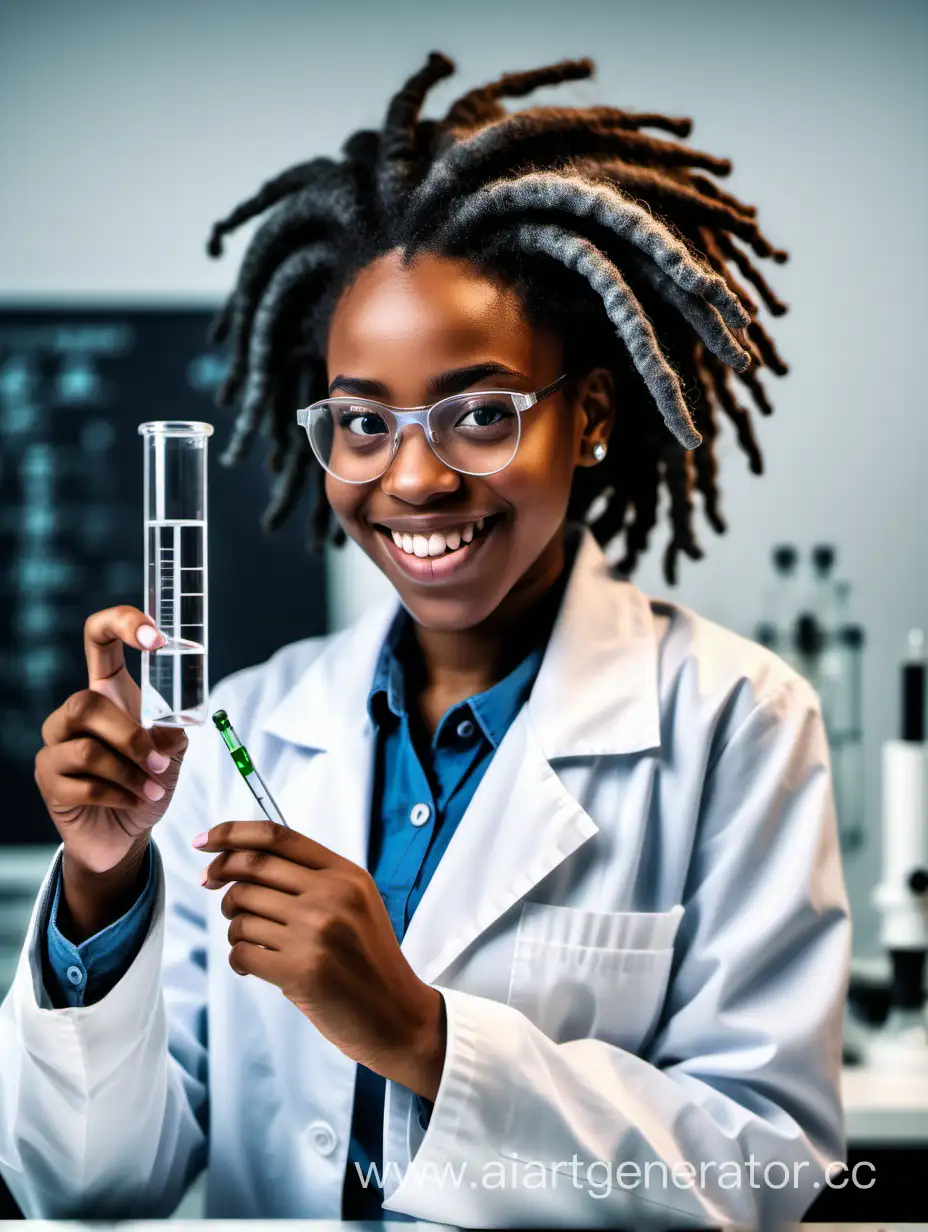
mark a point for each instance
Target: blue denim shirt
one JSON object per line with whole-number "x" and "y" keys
{"x": 423, "y": 794}
{"x": 82, "y": 974}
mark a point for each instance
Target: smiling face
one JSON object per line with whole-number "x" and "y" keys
{"x": 409, "y": 336}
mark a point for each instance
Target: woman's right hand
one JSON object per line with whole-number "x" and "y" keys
{"x": 105, "y": 779}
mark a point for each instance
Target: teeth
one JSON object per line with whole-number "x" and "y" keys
{"x": 438, "y": 542}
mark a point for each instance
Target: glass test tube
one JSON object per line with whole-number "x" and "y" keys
{"x": 174, "y": 677}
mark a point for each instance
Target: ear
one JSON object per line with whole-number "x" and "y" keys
{"x": 595, "y": 397}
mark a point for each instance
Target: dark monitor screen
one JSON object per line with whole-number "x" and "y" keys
{"x": 74, "y": 386}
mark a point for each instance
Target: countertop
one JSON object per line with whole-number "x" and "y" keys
{"x": 884, "y": 1107}
{"x": 335, "y": 1225}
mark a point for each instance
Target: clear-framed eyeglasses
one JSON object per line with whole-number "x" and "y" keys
{"x": 356, "y": 439}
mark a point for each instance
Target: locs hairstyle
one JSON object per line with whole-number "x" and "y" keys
{"x": 620, "y": 241}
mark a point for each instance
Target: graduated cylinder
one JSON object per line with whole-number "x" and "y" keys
{"x": 174, "y": 677}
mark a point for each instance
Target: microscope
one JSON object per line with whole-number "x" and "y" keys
{"x": 902, "y": 895}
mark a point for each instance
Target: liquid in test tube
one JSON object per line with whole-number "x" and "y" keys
{"x": 174, "y": 677}
{"x": 247, "y": 770}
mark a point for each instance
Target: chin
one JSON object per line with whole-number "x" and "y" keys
{"x": 447, "y": 615}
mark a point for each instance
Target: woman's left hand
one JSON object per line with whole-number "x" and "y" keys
{"x": 329, "y": 946}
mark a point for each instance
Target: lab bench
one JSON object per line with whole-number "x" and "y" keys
{"x": 884, "y": 1109}
{"x": 337, "y": 1225}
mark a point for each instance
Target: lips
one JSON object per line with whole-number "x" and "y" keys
{"x": 438, "y": 568}
{"x": 447, "y": 531}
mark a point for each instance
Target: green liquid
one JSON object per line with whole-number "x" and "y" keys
{"x": 242, "y": 760}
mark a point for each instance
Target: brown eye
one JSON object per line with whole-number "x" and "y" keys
{"x": 487, "y": 413}
{"x": 360, "y": 421}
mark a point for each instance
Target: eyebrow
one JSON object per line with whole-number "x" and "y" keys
{"x": 444, "y": 385}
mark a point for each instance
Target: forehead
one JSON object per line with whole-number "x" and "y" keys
{"x": 435, "y": 311}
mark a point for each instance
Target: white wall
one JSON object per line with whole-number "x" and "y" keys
{"x": 126, "y": 128}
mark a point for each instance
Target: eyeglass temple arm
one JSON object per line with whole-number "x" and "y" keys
{"x": 549, "y": 389}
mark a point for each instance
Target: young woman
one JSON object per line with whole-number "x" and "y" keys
{"x": 558, "y": 934}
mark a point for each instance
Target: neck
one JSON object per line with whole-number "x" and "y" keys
{"x": 460, "y": 664}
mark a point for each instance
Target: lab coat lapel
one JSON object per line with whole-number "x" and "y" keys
{"x": 328, "y": 779}
{"x": 595, "y": 695}
{"x": 520, "y": 824}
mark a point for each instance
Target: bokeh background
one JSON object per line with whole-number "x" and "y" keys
{"x": 126, "y": 128}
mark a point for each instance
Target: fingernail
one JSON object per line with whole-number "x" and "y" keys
{"x": 153, "y": 790}
{"x": 201, "y": 839}
{"x": 147, "y": 636}
{"x": 157, "y": 763}
{"x": 204, "y": 877}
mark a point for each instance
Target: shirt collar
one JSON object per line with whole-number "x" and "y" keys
{"x": 388, "y": 687}
{"x": 496, "y": 707}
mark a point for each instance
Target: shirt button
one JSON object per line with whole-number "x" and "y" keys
{"x": 419, "y": 814}
{"x": 75, "y": 975}
{"x": 465, "y": 729}
{"x": 322, "y": 1136}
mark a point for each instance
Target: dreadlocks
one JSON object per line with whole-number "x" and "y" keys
{"x": 618, "y": 240}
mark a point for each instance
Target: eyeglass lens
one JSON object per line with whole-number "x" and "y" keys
{"x": 474, "y": 433}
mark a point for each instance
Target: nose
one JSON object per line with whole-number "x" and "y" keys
{"x": 416, "y": 473}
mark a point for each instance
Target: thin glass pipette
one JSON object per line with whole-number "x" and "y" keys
{"x": 246, "y": 768}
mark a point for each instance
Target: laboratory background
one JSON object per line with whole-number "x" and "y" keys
{"x": 128, "y": 128}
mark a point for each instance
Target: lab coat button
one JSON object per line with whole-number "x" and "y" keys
{"x": 465, "y": 729}
{"x": 75, "y": 975}
{"x": 322, "y": 1136}
{"x": 419, "y": 814}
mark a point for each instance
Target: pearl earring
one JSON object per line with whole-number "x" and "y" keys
{"x": 599, "y": 452}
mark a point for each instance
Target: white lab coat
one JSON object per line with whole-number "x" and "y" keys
{"x": 640, "y": 930}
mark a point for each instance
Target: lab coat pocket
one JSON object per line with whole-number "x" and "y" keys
{"x": 579, "y": 974}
